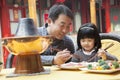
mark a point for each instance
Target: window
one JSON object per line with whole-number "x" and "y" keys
{"x": 115, "y": 19}
{"x": 114, "y": 2}
{"x": 17, "y": 2}
{"x": 17, "y": 10}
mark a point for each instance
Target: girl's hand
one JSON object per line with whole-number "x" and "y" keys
{"x": 102, "y": 54}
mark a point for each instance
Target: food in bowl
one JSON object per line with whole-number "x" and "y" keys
{"x": 104, "y": 65}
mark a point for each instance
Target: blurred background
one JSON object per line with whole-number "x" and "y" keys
{"x": 104, "y": 13}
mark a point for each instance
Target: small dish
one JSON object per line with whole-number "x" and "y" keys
{"x": 71, "y": 66}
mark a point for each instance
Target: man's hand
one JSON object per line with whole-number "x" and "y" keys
{"x": 61, "y": 57}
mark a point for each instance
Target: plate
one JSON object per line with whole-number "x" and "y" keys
{"x": 71, "y": 66}
{"x": 100, "y": 71}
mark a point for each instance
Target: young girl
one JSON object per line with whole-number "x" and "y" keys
{"x": 89, "y": 44}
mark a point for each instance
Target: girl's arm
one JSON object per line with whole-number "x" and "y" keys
{"x": 105, "y": 55}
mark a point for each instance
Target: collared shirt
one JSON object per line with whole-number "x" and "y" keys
{"x": 48, "y": 55}
{"x": 88, "y": 53}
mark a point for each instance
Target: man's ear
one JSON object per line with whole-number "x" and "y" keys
{"x": 49, "y": 21}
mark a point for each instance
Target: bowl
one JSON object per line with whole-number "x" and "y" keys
{"x": 27, "y": 45}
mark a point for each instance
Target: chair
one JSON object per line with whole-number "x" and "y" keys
{"x": 111, "y": 38}
{"x": 9, "y": 61}
{"x": 106, "y": 39}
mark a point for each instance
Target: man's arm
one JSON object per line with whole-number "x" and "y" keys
{"x": 70, "y": 46}
{"x": 47, "y": 60}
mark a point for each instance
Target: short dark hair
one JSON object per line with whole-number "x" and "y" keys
{"x": 89, "y": 30}
{"x": 58, "y": 9}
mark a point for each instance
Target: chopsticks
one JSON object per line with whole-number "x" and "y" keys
{"x": 73, "y": 55}
{"x": 78, "y": 56}
{"x": 110, "y": 45}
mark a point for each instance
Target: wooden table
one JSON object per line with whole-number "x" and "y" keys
{"x": 58, "y": 74}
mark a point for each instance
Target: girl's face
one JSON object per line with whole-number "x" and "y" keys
{"x": 87, "y": 44}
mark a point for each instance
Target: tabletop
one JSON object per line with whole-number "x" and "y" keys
{"x": 59, "y": 74}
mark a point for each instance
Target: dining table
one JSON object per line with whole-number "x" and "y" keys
{"x": 57, "y": 73}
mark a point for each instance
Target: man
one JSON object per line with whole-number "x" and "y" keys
{"x": 58, "y": 25}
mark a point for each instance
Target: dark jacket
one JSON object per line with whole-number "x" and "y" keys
{"x": 48, "y": 55}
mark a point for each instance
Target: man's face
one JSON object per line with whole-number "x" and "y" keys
{"x": 60, "y": 27}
